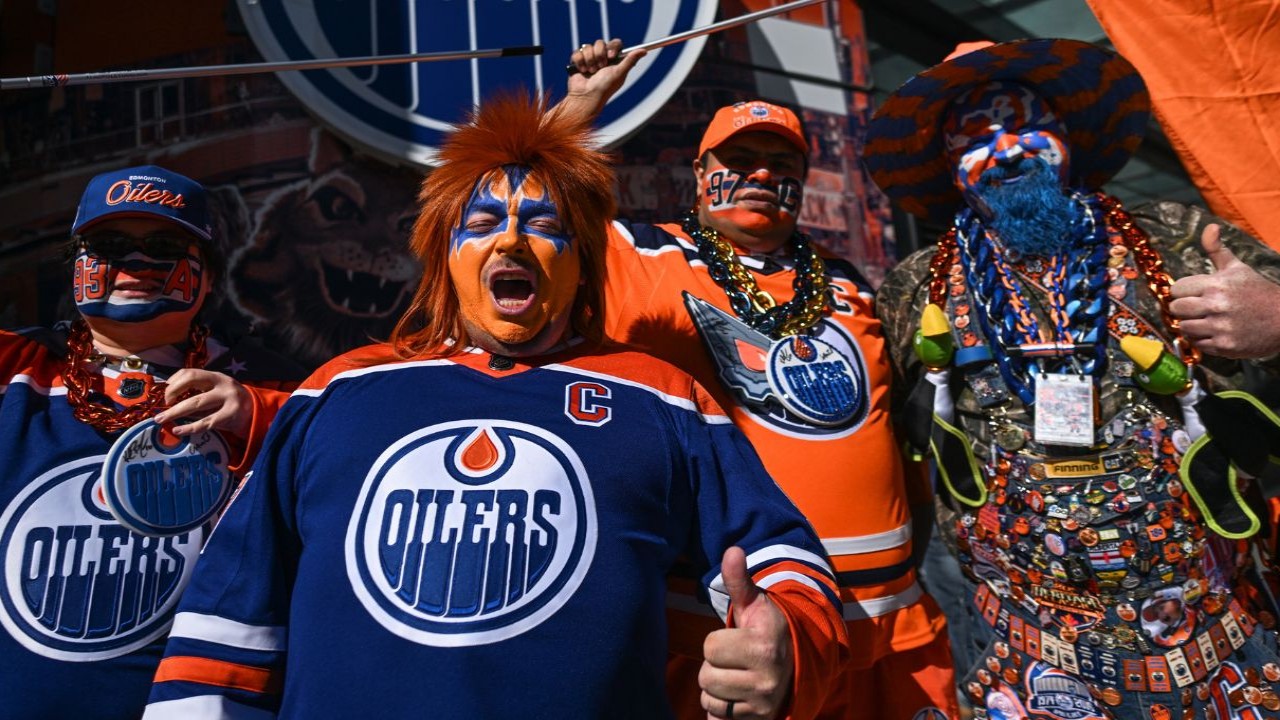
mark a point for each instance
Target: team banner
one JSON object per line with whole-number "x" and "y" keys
{"x": 1210, "y": 68}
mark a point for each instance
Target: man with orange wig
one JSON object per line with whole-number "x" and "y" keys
{"x": 475, "y": 519}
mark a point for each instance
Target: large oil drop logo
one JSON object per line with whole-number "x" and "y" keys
{"x": 471, "y": 532}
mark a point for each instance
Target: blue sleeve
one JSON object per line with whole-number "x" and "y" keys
{"x": 738, "y": 503}
{"x": 226, "y": 652}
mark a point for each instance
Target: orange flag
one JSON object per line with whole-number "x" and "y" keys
{"x": 1213, "y": 69}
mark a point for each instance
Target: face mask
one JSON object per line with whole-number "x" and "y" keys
{"x": 723, "y": 187}
{"x": 133, "y": 286}
{"x": 515, "y": 267}
{"x": 993, "y": 129}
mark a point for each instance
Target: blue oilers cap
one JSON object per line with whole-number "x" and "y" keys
{"x": 145, "y": 191}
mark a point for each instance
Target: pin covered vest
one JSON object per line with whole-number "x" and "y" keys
{"x": 1097, "y": 481}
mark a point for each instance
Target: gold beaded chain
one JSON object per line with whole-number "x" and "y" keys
{"x": 752, "y": 304}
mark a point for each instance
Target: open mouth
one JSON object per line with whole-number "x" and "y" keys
{"x": 135, "y": 287}
{"x": 756, "y": 195}
{"x": 513, "y": 290}
{"x": 360, "y": 294}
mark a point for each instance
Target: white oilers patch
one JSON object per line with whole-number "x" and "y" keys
{"x": 157, "y": 483}
{"x": 472, "y": 532}
{"x": 77, "y": 585}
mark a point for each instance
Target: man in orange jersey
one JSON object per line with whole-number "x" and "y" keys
{"x": 784, "y": 335}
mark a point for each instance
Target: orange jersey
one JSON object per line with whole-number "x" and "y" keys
{"x": 847, "y": 477}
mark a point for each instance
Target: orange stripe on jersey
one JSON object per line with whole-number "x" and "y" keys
{"x": 207, "y": 671}
{"x": 635, "y": 367}
{"x": 872, "y": 560}
{"x": 361, "y": 357}
{"x": 799, "y": 568}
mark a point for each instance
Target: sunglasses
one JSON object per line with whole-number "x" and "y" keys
{"x": 116, "y": 245}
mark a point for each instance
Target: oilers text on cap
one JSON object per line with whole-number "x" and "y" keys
{"x": 756, "y": 115}
{"x": 146, "y": 191}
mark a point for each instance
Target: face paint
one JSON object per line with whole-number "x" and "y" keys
{"x": 992, "y": 129}
{"x": 136, "y": 287}
{"x": 752, "y": 182}
{"x": 514, "y": 266}
{"x": 722, "y": 188}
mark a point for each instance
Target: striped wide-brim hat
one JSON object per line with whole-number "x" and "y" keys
{"x": 1097, "y": 95}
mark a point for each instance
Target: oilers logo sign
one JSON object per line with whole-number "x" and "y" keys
{"x": 468, "y": 533}
{"x": 78, "y": 586}
{"x": 813, "y": 380}
{"x": 404, "y": 111}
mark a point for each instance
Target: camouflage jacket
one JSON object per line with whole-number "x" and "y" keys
{"x": 1174, "y": 230}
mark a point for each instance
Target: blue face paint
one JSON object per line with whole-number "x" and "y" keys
{"x": 488, "y": 212}
{"x": 135, "y": 287}
{"x": 999, "y": 125}
{"x": 513, "y": 263}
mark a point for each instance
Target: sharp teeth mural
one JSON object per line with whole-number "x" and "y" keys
{"x": 326, "y": 266}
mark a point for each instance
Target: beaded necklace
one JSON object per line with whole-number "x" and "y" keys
{"x": 754, "y": 306}
{"x": 1074, "y": 279}
{"x": 1075, "y": 283}
{"x": 79, "y": 381}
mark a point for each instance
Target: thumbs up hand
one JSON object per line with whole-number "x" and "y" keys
{"x": 748, "y": 668}
{"x": 1231, "y": 312}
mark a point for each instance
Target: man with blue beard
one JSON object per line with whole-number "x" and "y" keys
{"x": 1093, "y": 458}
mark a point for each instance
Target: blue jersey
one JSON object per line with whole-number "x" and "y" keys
{"x": 475, "y": 537}
{"x": 85, "y": 603}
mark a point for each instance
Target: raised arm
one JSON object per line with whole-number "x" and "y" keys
{"x": 596, "y": 80}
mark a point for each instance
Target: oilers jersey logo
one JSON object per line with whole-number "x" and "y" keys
{"x": 468, "y": 533}
{"x": 813, "y": 386}
{"x": 404, "y": 111}
{"x": 78, "y": 586}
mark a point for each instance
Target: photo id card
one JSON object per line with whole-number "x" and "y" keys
{"x": 1064, "y": 409}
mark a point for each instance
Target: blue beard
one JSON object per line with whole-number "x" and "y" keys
{"x": 1032, "y": 216}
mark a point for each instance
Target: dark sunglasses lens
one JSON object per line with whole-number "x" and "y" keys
{"x": 114, "y": 246}
{"x": 166, "y": 247}
{"x": 109, "y": 245}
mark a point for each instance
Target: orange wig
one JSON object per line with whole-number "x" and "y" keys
{"x": 508, "y": 130}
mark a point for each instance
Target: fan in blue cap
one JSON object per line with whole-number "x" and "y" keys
{"x": 131, "y": 422}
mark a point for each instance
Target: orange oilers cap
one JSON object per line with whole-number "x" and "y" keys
{"x": 752, "y": 116}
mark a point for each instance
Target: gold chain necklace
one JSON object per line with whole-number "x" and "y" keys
{"x": 753, "y": 305}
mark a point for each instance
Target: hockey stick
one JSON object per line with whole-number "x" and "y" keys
{"x": 708, "y": 29}
{"x": 111, "y": 76}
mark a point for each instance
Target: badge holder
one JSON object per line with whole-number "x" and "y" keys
{"x": 156, "y": 483}
{"x": 1064, "y": 410}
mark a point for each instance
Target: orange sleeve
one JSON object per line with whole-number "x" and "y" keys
{"x": 625, "y": 283}
{"x": 819, "y": 646}
{"x": 266, "y": 403}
